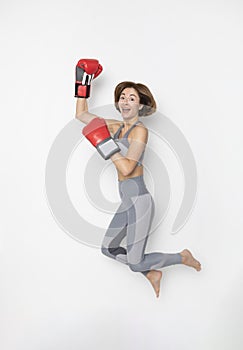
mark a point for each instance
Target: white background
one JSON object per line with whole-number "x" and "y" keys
{"x": 57, "y": 293}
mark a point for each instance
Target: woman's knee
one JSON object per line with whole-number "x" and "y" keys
{"x": 113, "y": 252}
{"x": 105, "y": 251}
{"x": 136, "y": 267}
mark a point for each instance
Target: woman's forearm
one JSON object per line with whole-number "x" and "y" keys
{"x": 81, "y": 107}
{"x": 124, "y": 165}
{"x": 82, "y": 112}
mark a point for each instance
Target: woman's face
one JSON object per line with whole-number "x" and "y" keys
{"x": 129, "y": 103}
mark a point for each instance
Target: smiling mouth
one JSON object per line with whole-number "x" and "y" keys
{"x": 126, "y": 110}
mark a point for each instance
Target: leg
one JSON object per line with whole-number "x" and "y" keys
{"x": 115, "y": 233}
{"x": 140, "y": 216}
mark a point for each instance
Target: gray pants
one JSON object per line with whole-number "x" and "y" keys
{"x": 133, "y": 221}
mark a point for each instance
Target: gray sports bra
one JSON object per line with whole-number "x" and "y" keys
{"x": 123, "y": 142}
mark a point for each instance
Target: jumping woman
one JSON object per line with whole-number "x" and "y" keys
{"x": 124, "y": 143}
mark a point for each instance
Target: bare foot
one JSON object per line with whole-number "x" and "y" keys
{"x": 154, "y": 278}
{"x": 189, "y": 260}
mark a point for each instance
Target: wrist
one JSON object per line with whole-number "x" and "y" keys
{"x": 82, "y": 91}
{"x": 116, "y": 156}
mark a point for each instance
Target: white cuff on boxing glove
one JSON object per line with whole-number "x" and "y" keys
{"x": 107, "y": 148}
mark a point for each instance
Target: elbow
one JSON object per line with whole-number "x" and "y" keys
{"x": 79, "y": 116}
{"x": 127, "y": 171}
{"x": 85, "y": 117}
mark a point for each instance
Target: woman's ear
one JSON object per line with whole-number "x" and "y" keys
{"x": 140, "y": 107}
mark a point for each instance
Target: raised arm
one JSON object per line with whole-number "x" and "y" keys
{"x": 82, "y": 112}
{"x": 86, "y": 70}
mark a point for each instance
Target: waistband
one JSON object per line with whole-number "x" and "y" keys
{"x": 134, "y": 186}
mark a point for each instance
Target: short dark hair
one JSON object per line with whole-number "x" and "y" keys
{"x": 145, "y": 96}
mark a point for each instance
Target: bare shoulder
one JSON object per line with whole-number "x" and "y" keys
{"x": 113, "y": 125}
{"x": 140, "y": 133}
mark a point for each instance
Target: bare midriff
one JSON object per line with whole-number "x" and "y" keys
{"x": 138, "y": 171}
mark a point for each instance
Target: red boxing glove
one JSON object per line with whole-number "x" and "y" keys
{"x": 99, "y": 136}
{"x": 86, "y": 70}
